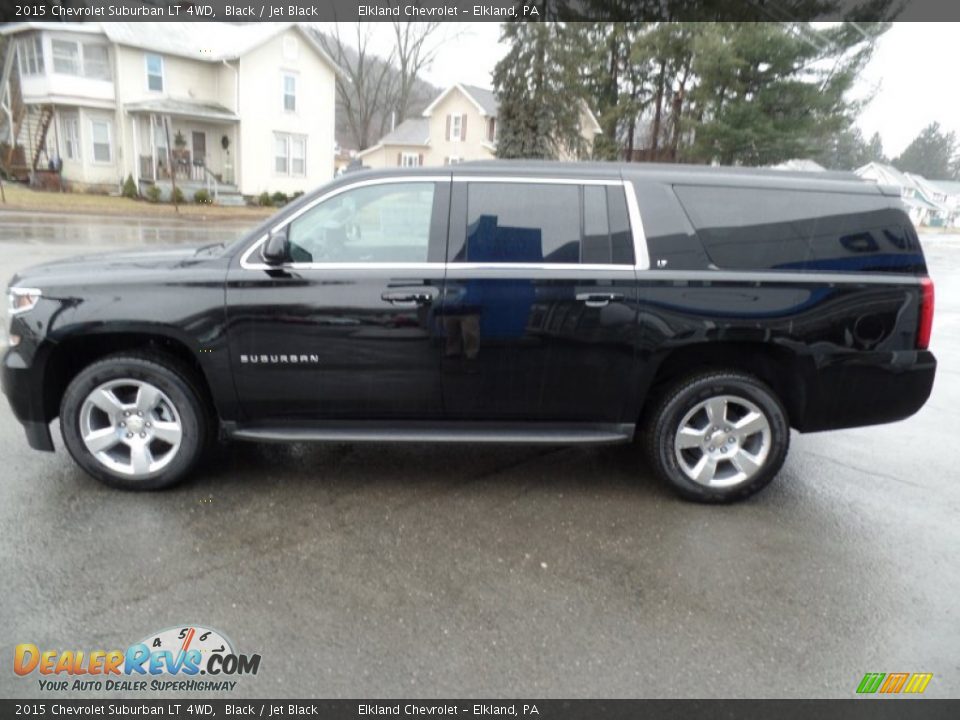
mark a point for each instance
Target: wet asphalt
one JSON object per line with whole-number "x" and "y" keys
{"x": 420, "y": 571}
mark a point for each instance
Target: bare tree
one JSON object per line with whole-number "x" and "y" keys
{"x": 417, "y": 44}
{"x": 368, "y": 86}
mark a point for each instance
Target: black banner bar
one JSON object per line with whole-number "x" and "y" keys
{"x": 475, "y": 10}
{"x": 855, "y": 709}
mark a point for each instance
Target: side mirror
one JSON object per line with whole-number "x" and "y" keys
{"x": 275, "y": 250}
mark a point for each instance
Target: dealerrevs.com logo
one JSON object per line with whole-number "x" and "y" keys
{"x": 170, "y": 660}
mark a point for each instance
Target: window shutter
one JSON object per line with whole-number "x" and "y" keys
{"x": 420, "y": 160}
{"x": 448, "y": 128}
{"x": 463, "y": 127}
{"x": 399, "y": 159}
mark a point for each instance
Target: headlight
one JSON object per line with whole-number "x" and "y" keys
{"x": 22, "y": 299}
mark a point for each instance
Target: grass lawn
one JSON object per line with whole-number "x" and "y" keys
{"x": 20, "y": 197}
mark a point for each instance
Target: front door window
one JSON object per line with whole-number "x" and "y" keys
{"x": 387, "y": 223}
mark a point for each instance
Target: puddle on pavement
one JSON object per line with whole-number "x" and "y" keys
{"x": 32, "y": 228}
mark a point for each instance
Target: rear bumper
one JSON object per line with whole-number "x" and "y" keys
{"x": 867, "y": 389}
{"x": 25, "y": 395}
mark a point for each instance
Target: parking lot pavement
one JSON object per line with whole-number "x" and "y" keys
{"x": 381, "y": 570}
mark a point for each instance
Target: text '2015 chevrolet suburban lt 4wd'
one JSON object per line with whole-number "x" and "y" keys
{"x": 706, "y": 310}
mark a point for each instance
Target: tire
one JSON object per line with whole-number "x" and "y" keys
{"x": 713, "y": 460}
{"x": 135, "y": 421}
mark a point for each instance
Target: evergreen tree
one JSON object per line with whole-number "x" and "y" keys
{"x": 751, "y": 93}
{"x": 845, "y": 150}
{"x": 779, "y": 90}
{"x": 874, "y": 152}
{"x": 933, "y": 154}
{"x": 538, "y": 88}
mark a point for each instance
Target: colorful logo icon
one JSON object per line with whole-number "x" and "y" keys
{"x": 894, "y": 683}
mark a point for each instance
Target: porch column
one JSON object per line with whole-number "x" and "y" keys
{"x": 153, "y": 146}
{"x": 236, "y": 155}
{"x": 136, "y": 151}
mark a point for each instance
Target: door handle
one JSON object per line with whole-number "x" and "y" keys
{"x": 598, "y": 299}
{"x": 406, "y": 298}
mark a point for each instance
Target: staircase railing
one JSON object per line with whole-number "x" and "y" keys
{"x": 213, "y": 185}
{"x": 40, "y": 140}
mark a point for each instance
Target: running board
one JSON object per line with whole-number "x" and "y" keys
{"x": 453, "y": 432}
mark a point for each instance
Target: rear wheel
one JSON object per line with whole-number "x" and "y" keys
{"x": 135, "y": 422}
{"x": 718, "y": 437}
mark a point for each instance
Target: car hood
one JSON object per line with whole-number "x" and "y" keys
{"x": 117, "y": 266}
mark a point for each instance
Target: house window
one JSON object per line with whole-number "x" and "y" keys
{"x": 492, "y": 129}
{"x": 31, "y": 56}
{"x": 409, "y": 159}
{"x": 96, "y": 63}
{"x": 290, "y": 154}
{"x": 289, "y": 92}
{"x": 298, "y": 155}
{"x": 70, "y": 130}
{"x": 100, "y": 132}
{"x": 154, "y": 73}
{"x": 453, "y": 160}
{"x": 456, "y": 127}
{"x": 66, "y": 57}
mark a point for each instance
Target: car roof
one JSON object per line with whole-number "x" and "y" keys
{"x": 651, "y": 172}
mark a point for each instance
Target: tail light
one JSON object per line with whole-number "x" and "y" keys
{"x": 926, "y": 314}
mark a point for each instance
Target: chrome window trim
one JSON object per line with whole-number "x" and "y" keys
{"x": 534, "y": 180}
{"x": 641, "y": 255}
{"x": 560, "y": 271}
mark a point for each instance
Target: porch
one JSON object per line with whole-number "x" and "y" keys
{"x": 192, "y": 144}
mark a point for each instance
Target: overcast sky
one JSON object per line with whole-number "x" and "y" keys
{"x": 913, "y": 74}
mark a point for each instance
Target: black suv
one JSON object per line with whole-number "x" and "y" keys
{"x": 712, "y": 309}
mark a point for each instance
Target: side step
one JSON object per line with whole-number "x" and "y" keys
{"x": 450, "y": 432}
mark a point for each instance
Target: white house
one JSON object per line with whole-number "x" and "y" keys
{"x": 459, "y": 125}
{"x": 921, "y": 203}
{"x": 237, "y": 108}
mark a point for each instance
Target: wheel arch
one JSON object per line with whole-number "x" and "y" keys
{"x": 784, "y": 370}
{"x": 66, "y": 358}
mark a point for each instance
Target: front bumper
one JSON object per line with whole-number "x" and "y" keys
{"x": 24, "y": 390}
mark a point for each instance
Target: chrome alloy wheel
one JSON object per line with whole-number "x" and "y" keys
{"x": 723, "y": 441}
{"x": 130, "y": 427}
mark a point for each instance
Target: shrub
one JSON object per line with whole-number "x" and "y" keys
{"x": 279, "y": 198}
{"x": 265, "y": 200}
{"x": 178, "y": 196}
{"x": 297, "y": 194}
{"x": 153, "y": 194}
{"x": 129, "y": 187}
{"x": 201, "y": 196}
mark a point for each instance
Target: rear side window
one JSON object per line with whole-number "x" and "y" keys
{"x": 757, "y": 228}
{"x": 546, "y": 223}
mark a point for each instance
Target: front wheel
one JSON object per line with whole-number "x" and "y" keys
{"x": 135, "y": 422}
{"x": 718, "y": 437}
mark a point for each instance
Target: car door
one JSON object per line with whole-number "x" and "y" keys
{"x": 346, "y": 328}
{"x": 539, "y": 313}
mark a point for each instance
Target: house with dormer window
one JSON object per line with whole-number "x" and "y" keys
{"x": 239, "y": 109}
{"x": 459, "y": 125}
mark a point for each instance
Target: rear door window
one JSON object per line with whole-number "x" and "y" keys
{"x": 545, "y": 223}
{"x": 760, "y": 228}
